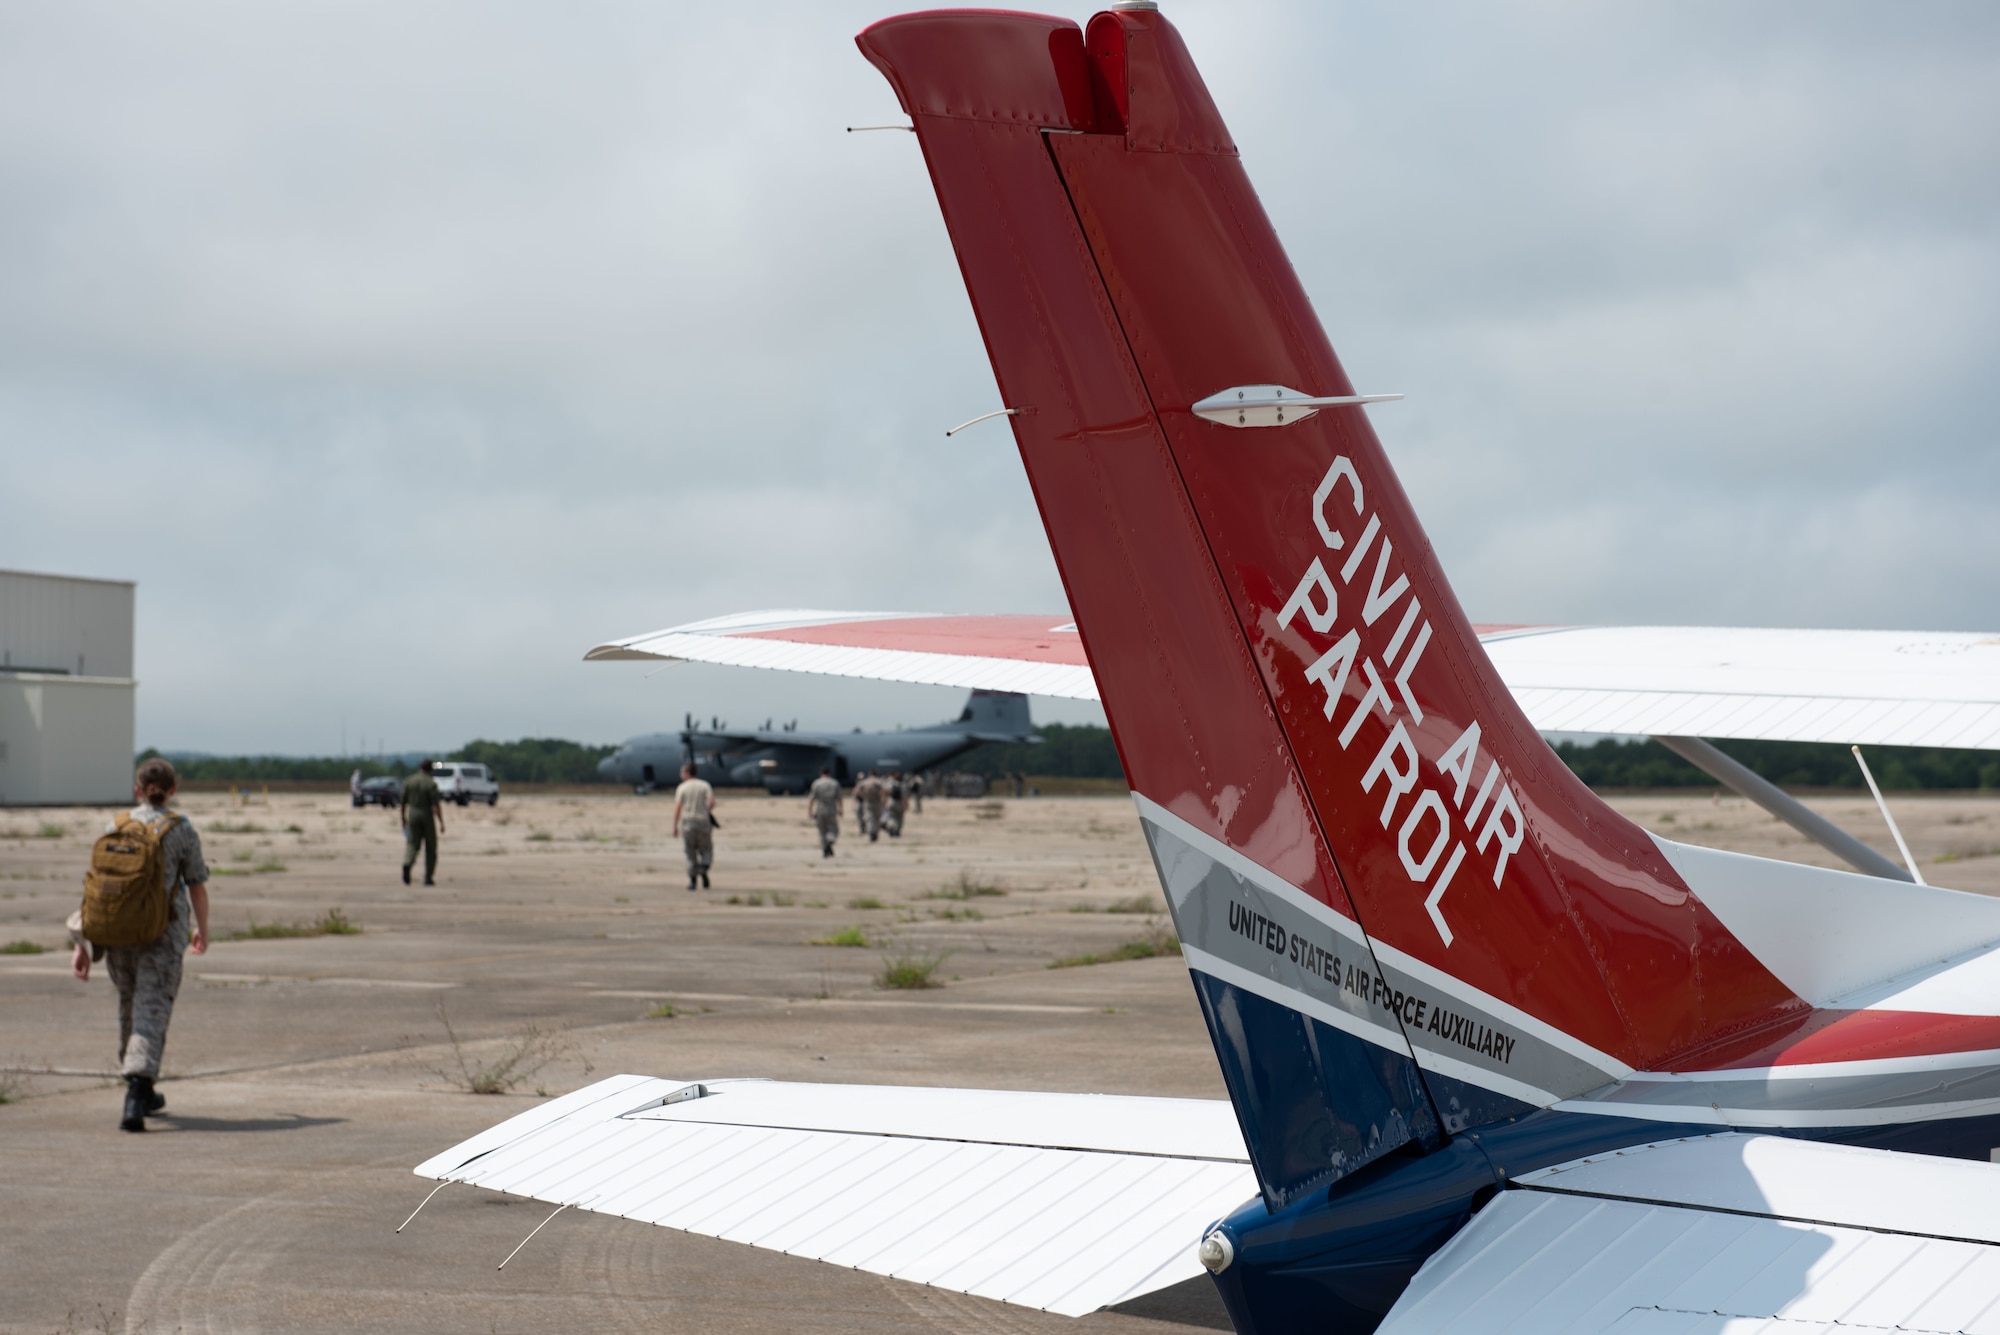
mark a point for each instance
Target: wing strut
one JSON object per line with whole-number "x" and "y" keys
{"x": 1734, "y": 775}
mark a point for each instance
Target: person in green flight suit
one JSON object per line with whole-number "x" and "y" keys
{"x": 423, "y": 822}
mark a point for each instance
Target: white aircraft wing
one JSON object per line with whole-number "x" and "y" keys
{"x": 1877, "y": 688}
{"x": 1064, "y": 1202}
{"x": 1725, "y": 1233}
{"x": 1034, "y": 655}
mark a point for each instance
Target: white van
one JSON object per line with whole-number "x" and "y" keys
{"x": 463, "y": 782}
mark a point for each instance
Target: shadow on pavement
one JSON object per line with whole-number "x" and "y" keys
{"x": 1192, "y": 1302}
{"x": 287, "y": 1122}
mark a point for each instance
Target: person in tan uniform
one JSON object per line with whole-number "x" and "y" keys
{"x": 823, "y": 801}
{"x": 694, "y": 823}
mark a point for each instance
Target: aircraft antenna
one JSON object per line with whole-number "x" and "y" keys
{"x": 983, "y": 417}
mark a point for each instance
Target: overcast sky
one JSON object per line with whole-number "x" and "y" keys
{"x": 403, "y": 351}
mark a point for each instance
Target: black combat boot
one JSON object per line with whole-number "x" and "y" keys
{"x": 138, "y": 1096}
{"x": 704, "y": 880}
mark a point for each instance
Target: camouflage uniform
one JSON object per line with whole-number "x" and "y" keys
{"x": 868, "y": 795}
{"x": 825, "y": 796}
{"x": 420, "y": 803}
{"x": 148, "y": 977}
{"x": 897, "y": 800}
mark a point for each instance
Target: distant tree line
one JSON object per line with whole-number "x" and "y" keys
{"x": 1086, "y": 752}
{"x": 536, "y": 759}
{"x": 530, "y": 760}
{"x": 1610, "y": 763}
{"x": 1083, "y": 751}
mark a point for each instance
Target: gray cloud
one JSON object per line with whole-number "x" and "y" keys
{"x": 402, "y": 352}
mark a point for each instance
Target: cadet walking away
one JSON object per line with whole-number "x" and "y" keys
{"x": 423, "y": 822}
{"x": 695, "y": 823}
{"x": 823, "y": 802}
{"x": 869, "y": 795}
{"x": 145, "y": 903}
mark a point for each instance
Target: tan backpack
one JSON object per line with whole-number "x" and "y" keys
{"x": 126, "y": 898}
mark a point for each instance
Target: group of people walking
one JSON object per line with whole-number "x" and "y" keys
{"x": 880, "y": 803}
{"x": 145, "y": 899}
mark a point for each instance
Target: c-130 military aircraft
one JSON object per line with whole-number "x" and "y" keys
{"x": 787, "y": 761}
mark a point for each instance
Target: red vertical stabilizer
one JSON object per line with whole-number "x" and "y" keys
{"x": 1316, "y": 736}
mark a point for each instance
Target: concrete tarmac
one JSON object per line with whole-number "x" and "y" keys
{"x": 306, "y": 1075}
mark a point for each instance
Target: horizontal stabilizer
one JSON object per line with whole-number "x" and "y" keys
{"x": 1723, "y": 1233}
{"x": 1064, "y": 1202}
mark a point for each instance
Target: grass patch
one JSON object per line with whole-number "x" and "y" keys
{"x": 236, "y": 827}
{"x": 540, "y": 837}
{"x": 866, "y": 902}
{"x": 966, "y": 914}
{"x": 11, "y": 1090}
{"x": 50, "y": 830}
{"x": 262, "y": 867}
{"x": 331, "y": 923}
{"x": 1154, "y": 943}
{"x": 23, "y": 948}
{"x": 846, "y": 936}
{"x": 967, "y": 886}
{"x": 910, "y": 970}
{"x": 816, "y": 904}
{"x": 783, "y": 901}
{"x": 748, "y": 901}
{"x": 1136, "y": 904}
{"x": 664, "y": 1011}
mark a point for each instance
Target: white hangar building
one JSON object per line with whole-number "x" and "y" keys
{"x": 66, "y": 689}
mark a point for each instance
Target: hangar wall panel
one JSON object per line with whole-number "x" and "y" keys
{"x": 66, "y": 689}
{"x": 65, "y": 739}
{"x": 57, "y": 623}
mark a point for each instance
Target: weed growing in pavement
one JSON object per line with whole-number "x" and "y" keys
{"x": 909, "y": 969}
{"x": 663, "y": 1011}
{"x": 988, "y": 810}
{"x": 540, "y": 837}
{"x": 967, "y": 914}
{"x": 783, "y": 901}
{"x": 331, "y": 923}
{"x": 521, "y": 1056}
{"x": 22, "y": 948}
{"x": 236, "y": 827}
{"x": 1136, "y": 904}
{"x": 1158, "y": 941}
{"x": 846, "y": 936}
{"x": 815, "y": 904}
{"x": 748, "y": 901}
{"x": 866, "y": 902}
{"x": 106, "y": 1321}
{"x": 967, "y": 886}
{"x": 11, "y": 1090}
{"x": 51, "y": 830}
